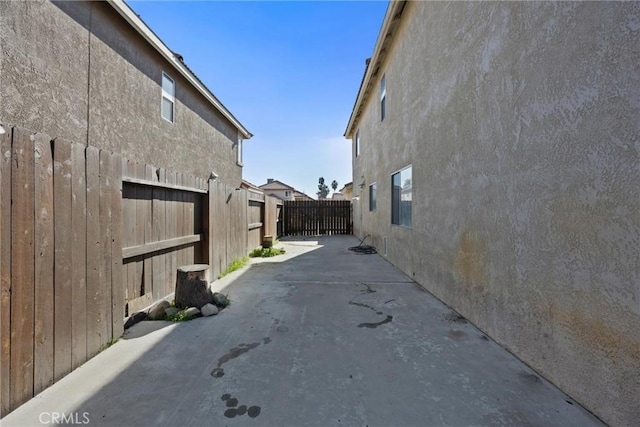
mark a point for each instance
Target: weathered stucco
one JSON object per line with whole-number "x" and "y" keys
{"x": 77, "y": 70}
{"x": 521, "y": 121}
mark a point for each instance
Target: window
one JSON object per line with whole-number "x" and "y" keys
{"x": 168, "y": 97}
{"x": 383, "y": 96}
{"x": 239, "y": 153}
{"x": 401, "y": 196}
{"x": 373, "y": 197}
{"x": 287, "y": 194}
{"x": 357, "y": 143}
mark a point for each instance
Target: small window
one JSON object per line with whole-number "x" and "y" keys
{"x": 239, "y": 153}
{"x": 287, "y": 194}
{"x": 383, "y": 96}
{"x": 401, "y": 197}
{"x": 357, "y": 143}
{"x": 168, "y": 98}
{"x": 373, "y": 197}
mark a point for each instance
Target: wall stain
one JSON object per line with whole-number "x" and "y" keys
{"x": 471, "y": 261}
{"x": 594, "y": 333}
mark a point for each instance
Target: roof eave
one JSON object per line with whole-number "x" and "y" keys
{"x": 132, "y": 18}
{"x": 385, "y": 38}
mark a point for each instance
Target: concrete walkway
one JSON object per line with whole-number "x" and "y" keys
{"x": 318, "y": 337}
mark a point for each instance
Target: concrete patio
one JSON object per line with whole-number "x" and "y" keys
{"x": 320, "y": 336}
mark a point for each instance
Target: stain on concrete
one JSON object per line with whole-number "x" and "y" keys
{"x": 365, "y": 305}
{"x": 388, "y": 319}
{"x": 368, "y": 289}
{"x": 235, "y": 410}
{"x": 454, "y": 317}
{"x": 457, "y": 334}
{"x": 529, "y": 378}
{"x": 232, "y": 354}
{"x": 266, "y": 340}
{"x": 282, "y": 329}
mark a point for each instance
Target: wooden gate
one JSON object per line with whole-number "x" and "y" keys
{"x": 317, "y": 217}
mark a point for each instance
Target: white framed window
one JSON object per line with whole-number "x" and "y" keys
{"x": 357, "y": 143}
{"x": 373, "y": 197}
{"x": 287, "y": 193}
{"x": 383, "y": 97}
{"x": 168, "y": 98}
{"x": 401, "y": 197}
{"x": 239, "y": 152}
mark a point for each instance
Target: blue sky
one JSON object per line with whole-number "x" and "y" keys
{"x": 289, "y": 71}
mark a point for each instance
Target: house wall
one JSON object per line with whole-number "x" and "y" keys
{"x": 77, "y": 70}
{"x": 521, "y": 123}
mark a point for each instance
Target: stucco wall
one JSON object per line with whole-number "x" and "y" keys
{"x": 521, "y": 121}
{"x": 77, "y": 70}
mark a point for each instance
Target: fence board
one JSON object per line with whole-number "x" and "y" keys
{"x": 78, "y": 256}
{"x": 149, "y": 174}
{"x": 129, "y": 230}
{"x": 106, "y": 261}
{"x": 117, "y": 285}
{"x": 5, "y": 271}
{"x": 172, "y": 232}
{"x": 22, "y": 269}
{"x": 93, "y": 251}
{"x": 158, "y": 261}
{"x": 63, "y": 241}
{"x": 43, "y": 367}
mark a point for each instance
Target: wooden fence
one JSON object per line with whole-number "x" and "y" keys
{"x": 317, "y": 217}
{"x": 163, "y": 223}
{"x": 87, "y": 237}
{"x": 61, "y": 260}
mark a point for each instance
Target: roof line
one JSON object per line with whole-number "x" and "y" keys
{"x": 385, "y": 38}
{"x": 138, "y": 24}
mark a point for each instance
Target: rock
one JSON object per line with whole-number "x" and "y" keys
{"x": 192, "y": 312}
{"x": 157, "y": 311}
{"x": 135, "y": 318}
{"x": 220, "y": 300}
{"x": 209, "y": 310}
{"x": 171, "y": 311}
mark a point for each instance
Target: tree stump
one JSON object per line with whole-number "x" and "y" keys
{"x": 192, "y": 286}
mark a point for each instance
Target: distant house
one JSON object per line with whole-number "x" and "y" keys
{"x": 282, "y": 191}
{"x": 495, "y": 162}
{"x": 249, "y": 186}
{"x": 338, "y": 196}
{"x": 347, "y": 190}
{"x": 95, "y": 73}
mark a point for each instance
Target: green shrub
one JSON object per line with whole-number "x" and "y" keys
{"x": 235, "y": 265}
{"x": 266, "y": 252}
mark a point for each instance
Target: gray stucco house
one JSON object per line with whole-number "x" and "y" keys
{"x": 496, "y": 161}
{"x": 94, "y": 72}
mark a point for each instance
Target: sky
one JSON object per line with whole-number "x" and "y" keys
{"x": 288, "y": 71}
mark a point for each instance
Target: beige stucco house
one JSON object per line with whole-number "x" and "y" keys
{"x": 95, "y": 73}
{"x": 283, "y": 191}
{"x": 495, "y": 161}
